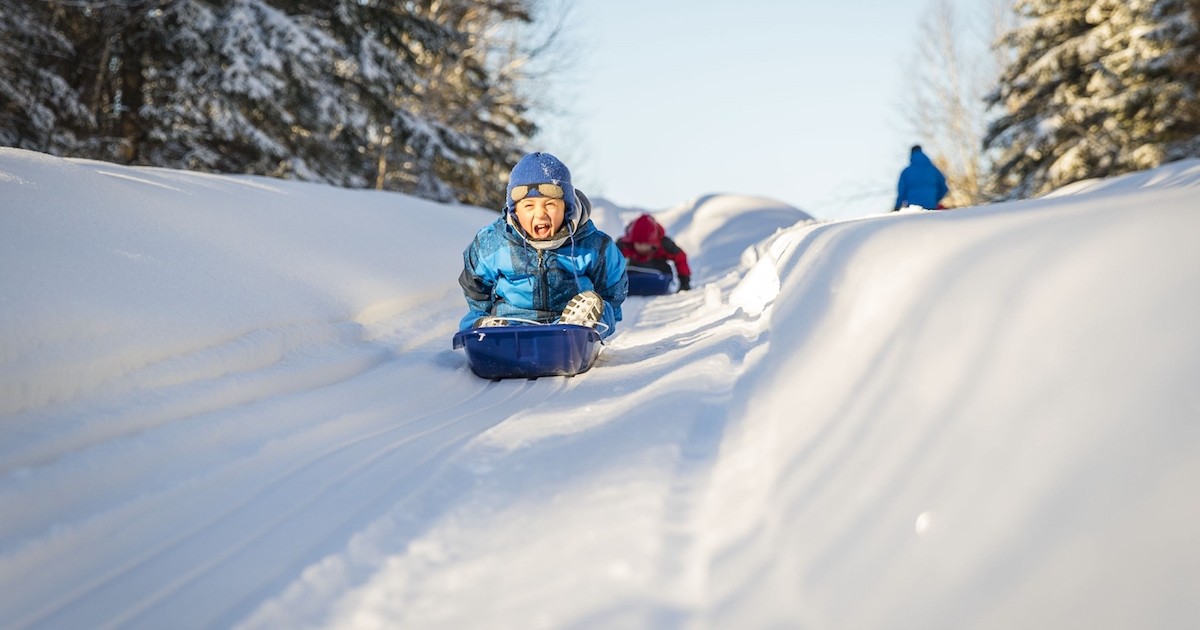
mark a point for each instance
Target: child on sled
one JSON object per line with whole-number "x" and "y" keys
{"x": 646, "y": 244}
{"x": 543, "y": 259}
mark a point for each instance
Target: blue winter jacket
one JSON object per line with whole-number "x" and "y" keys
{"x": 921, "y": 184}
{"x": 504, "y": 275}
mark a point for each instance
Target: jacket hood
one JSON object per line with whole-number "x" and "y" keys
{"x": 918, "y": 158}
{"x": 645, "y": 229}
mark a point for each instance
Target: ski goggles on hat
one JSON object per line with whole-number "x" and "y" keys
{"x": 546, "y": 190}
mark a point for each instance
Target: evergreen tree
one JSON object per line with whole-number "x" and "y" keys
{"x": 405, "y": 96}
{"x": 244, "y": 87}
{"x": 1165, "y": 58}
{"x": 1097, "y": 88}
{"x": 472, "y": 92}
{"x": 39, "y": 107}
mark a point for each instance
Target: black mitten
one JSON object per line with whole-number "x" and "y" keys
{"x": 685, "y": 283}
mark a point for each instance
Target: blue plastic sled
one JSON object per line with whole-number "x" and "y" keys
{"x": 647, "y": 281}
{"x": 529, "y": 351}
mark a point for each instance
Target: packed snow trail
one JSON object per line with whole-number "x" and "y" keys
{"x": 183, "y": 484}
{"x": 214, "y": 507}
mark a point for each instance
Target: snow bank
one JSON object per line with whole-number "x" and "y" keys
{"x": 978, "y": 418}
{"x": 111, "y": 272}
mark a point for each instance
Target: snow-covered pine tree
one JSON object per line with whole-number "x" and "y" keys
{"x": 40, "y": 108}
{"x": 303, "y": 88}
{"x": 1097, "y": 88}
{"x": 1165, "y": 57}
{"x": 470, "y": 95}
{"x": 241, "y": 86}
{"x": 349, "y": 92}
{"x": 477, "y": 95}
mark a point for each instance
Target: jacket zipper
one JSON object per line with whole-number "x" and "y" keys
{"x": 543, "y": 289}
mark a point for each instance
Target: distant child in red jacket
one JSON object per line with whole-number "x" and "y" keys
{"x": 646, "y": 244}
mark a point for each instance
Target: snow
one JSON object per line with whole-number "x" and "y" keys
{"x": 231, "y": 402}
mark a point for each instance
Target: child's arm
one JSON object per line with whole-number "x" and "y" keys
{"x": 612, "y": 284}
{"x": 476, "y": 281}
{"x": 677, "y": 256}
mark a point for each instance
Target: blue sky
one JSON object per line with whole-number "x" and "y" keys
{"x": 794, "y": 100}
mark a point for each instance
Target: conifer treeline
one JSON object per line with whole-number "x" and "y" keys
{"x": 425, "y": 96}
{"x": 418, "y": 96}
{"x": 1096, "y": 88}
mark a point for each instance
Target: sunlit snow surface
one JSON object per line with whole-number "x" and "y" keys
{"x": 232, "y": 402}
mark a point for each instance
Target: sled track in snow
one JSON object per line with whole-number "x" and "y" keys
{"x": 256, "y": 366}
{"x": 361, "y": 468}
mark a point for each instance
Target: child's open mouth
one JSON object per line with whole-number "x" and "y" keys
{"x": 541, "y": 230}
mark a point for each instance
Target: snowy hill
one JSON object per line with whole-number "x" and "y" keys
{"x": 231, "y": 402}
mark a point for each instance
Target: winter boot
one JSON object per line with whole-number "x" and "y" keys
{"x": 583, "y": 310}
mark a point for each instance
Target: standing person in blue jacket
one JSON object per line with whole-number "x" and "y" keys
{"x": 921, "y": 183}
{"x": 543, "y": 259}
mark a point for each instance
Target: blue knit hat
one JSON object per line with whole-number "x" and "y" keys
{"x": 541, "y": 168}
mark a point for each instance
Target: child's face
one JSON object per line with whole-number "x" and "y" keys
{"x": 643, "y": 248}
{"x": 541, "y": 217}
